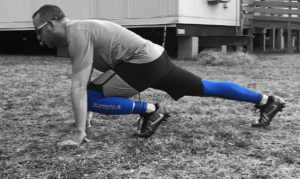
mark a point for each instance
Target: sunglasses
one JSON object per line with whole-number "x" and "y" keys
{"x": 38, "y": 30}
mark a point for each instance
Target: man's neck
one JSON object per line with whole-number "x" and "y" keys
{"x": 64, "y": 23}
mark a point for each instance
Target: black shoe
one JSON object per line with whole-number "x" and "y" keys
{"x": 152, "y": 121}
{"x": 268, "y": 111}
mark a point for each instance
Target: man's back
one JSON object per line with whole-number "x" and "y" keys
{"x": 111, "y": 43}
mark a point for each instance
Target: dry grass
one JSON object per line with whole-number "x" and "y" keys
{"x": 215, "y": 58}
{"x": 204, "y": 138}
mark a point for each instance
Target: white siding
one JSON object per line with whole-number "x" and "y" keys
{"x": 11, "y": 11}
{"x": 111, "y": 9}
{"x": 138, "y": 12}
{"x": 16, "y": 14}
{"x": 78, "y": 9}
{"x": 200, "y": 12}
{"x": 152, "y": 8}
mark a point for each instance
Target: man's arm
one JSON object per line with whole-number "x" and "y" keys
{"x": 81, "y": 52}
{"x": 79, "y": 102}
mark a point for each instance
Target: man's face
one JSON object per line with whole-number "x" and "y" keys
{"x": 45, "y": 31}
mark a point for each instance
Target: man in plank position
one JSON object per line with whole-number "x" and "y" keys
{"x": 130, "y": 64}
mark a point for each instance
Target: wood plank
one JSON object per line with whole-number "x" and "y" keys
{"x": 248, "y": 9}
{"x": 277, "y": 11}
{"x": 271, "y": 25}
{"x": 247, "y": 16}
{"x": 206, "y": 30}
{"x": 224, "y": 40}
{"x": 277, "y": 4}
{"x": 276, "y": 18}
{"x": 247, "y": 1}
{"x": 246, "y": 23}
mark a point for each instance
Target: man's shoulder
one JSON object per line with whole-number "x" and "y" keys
{"x": 89, "y": 22}
{"x": 79, "y": 24}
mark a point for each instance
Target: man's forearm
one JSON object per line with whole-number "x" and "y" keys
{"x": 79, "y": 102}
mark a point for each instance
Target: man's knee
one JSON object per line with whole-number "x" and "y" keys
{"x": 94, "y": 95}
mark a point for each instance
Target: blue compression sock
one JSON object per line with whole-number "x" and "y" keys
{"x": 230, "y": 90}
{"x": 114, "y": 105}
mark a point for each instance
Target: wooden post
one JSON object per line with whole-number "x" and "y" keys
{"x": 250, "y": 45}
{"x": 188, "y": 47}
{"x": 263, "y": 40}
{"x": 289, "y": 38}
{"x": 289, "y": 33}
{"x": 298, "y": 41}
{"x": 279, "y": 39}
{"x": 272, "y": 39}
{"x": 224, "y": 49}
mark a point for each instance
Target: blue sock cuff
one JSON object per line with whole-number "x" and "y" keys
{"x": 259, "y": 98}
{"x": 139, "y": 107}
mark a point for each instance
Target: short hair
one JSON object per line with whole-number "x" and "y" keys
{"x": 48, "y": 11}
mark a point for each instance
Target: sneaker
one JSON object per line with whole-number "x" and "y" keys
{"x": 268, "y": 111}
{"x": 152, "y": 121}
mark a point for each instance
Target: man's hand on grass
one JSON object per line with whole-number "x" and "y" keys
{"x": 77, "y": 138}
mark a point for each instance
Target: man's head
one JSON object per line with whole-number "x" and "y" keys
{"x": 48, "y": 24}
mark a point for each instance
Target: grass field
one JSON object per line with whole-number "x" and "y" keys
{"x": 205, "y": 137}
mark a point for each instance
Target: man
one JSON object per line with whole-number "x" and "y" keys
{"x": 130, "y": 65}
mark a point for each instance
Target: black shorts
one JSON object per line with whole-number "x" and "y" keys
{"x": 128, "y": 79}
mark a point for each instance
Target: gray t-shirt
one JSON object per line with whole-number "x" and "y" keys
{"x": 105, "y": 45}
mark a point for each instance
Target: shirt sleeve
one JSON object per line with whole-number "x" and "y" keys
{"x": 81, "y": 50}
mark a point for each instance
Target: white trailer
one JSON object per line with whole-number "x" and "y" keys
{"x": 190, "y": 18}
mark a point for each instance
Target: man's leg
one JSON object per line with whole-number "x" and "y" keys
{"x": 232, "y": 91}
{"x": 109, "y": 94}
{"x": 112, "y": 105}
{"x": 179, "y": 82}
{"x": 269, "y": 106}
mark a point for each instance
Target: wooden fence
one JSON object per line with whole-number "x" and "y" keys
{"x": 272, "y": 14}
{"x": 275, "y": 11}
